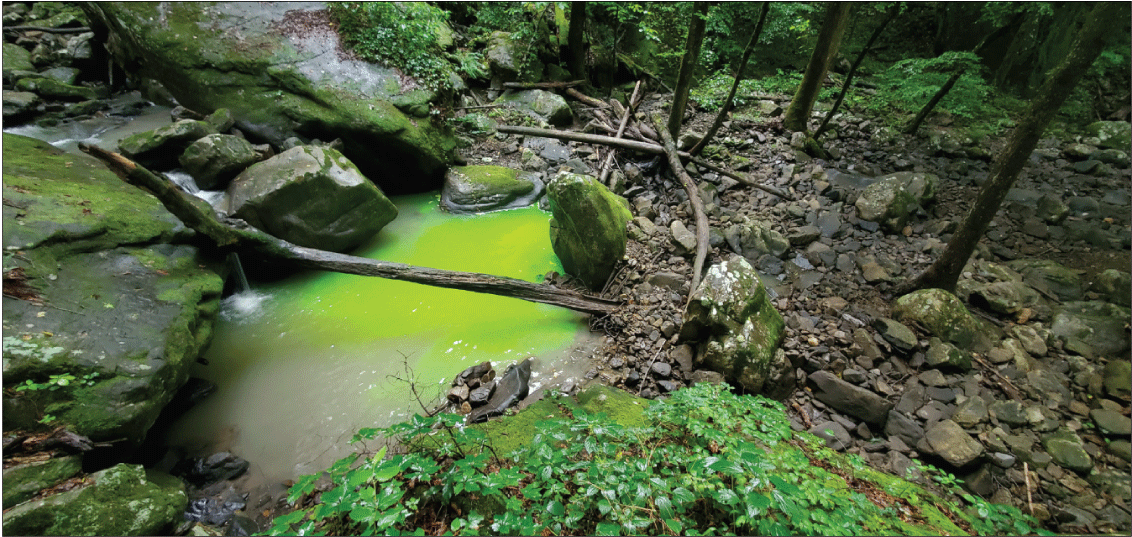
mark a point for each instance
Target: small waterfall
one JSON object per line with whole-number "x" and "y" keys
{"x": 183, "y": 180}
{"x": 238, "y": 273}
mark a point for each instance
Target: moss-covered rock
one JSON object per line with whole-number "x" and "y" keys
{"x": 477, "y": 189}
{"x": 1112, "y": 134}
{"x": 311, "y": 196}
{"x": 279, "y": 82}
{"x": 24, "y": 481}
{"x": 944, "y": 315}
{"x": 160, "y": 148}
{"x": 216, "y": 159}
{"x": 54, "y": 89}
{"x": 587, "y": 232}
{"x": 128, "y": 314}
{"x": 16, "y": 58}
{"x": 737, "y": 328}
{"x": 893, "y": 198}
{"x": 122, "y": 500}
{"x": 19, "y": 105}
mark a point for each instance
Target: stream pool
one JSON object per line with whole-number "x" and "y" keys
{"x": 301, "y": 364}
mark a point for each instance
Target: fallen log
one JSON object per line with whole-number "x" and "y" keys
{"x": 644, "y": 147}
{"x": 543, "y": 85}
{"x": 235, "y": 234}
{"x": 694, "y": 200}
{"x": 585, "y": 98}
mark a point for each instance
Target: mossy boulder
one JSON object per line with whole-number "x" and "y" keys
{"x": 944, "y": 315}
{"x": 122, "y": 500}
{"x": 22, "y": 482}
{"x": 111, "y": 306}
{"x": 16, "y": 58}
{"x": 477, "y": 189}
{"x": 215, "y": 159}
{"x": 54, "y": 89}
{"x": 892, "y": 199}
{"x": 736, "y": 327}
{"x": 1112, "y": 134}
{"x": 1114, "y": 286}
{"x": 281, "y": 76}
{"x": 311, "y": 196}
{"x": 540, "y": 104}
{"x": 160, "y": 147}
{"x": 19, "y": 105}
{"x": 587, "y": 231}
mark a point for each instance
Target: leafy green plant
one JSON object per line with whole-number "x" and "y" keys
{"x": 708, "y": 462}
{"x": 405, "y": 35}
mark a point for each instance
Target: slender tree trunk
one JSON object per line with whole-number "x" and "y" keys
{"x": 235, "y": 234}
{"x": 892, "y": 13}
{"x": 946, "y": 87}
{"x": 1102, "y": 23}
{"x": 575, "y": 40}
{"x": 735, "y": 85}
{"x": 797, "y": 116}
{"x": 696, "y": 28}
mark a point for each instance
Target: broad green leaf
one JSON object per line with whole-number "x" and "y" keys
{"x": 606, "y": 528}
{"x": 556, "y": 508}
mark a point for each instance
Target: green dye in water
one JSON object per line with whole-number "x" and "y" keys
{"x": 313, "y": 362}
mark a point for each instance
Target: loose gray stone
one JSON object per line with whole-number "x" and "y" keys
{"x": 850, "y": 399}
{"x": 948, "y": 440}
{"x": 1067, "y": 450}
{"x": 897, "y": 334}
{"x": 662, "y": 370}
{"x": 972, "y": 412}
{"x": 834, "y": 434}
{"x": 1111, "y": 422}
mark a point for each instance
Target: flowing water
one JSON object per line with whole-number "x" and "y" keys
{"x": 303, "y": 363}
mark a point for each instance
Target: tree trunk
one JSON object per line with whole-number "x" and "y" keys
{"x": 1100, "y": 25}
{"x": 236, "y": 234}
{"x": 735, "y": 85}
{"x": 694, "y": 201}
{"x": 575, "y": 40}
{"x": 797, "y": 116}
{"x": 892, "y": 13}
{"x": 946, "y": 87}
{"x": 696, "y": 28}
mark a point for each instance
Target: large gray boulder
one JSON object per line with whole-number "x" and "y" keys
{"x": 737, "y": 330}
{"x": 311, "y": 196}
{"x": 892, "y": 199}
{"x": 1051, "y": 277}
{"x": 122, "y": 500}
{"x": 478, "y": 189}
{"x": 587, "y": 231}
{"x": 756, "y": 238}
{"x": 216, "y": 159}
{"x": 540, "y": 104}
{"x": 133, "y": 305}
{"x": 278, "y": 67}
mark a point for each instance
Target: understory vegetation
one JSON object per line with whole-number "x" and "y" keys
{"x": 704, "y": 462}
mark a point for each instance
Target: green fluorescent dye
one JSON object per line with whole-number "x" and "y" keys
{"x": 451, "y": 328}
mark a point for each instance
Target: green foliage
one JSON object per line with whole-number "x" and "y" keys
{"x": 405, "y": 35}
{"x": 710, "y": 462}
{"x": 711, "y": 93}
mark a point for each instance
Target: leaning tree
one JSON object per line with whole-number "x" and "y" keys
{"x": 1102, "y": 24}
{"x": 797, "y": 117}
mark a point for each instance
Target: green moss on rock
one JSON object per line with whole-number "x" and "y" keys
{"x": 587, "y": 232}
{"x": 123, "y": 500}
{"x": 944, "y": 315}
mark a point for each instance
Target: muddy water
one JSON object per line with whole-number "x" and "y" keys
{"x": 303, "y": 363}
